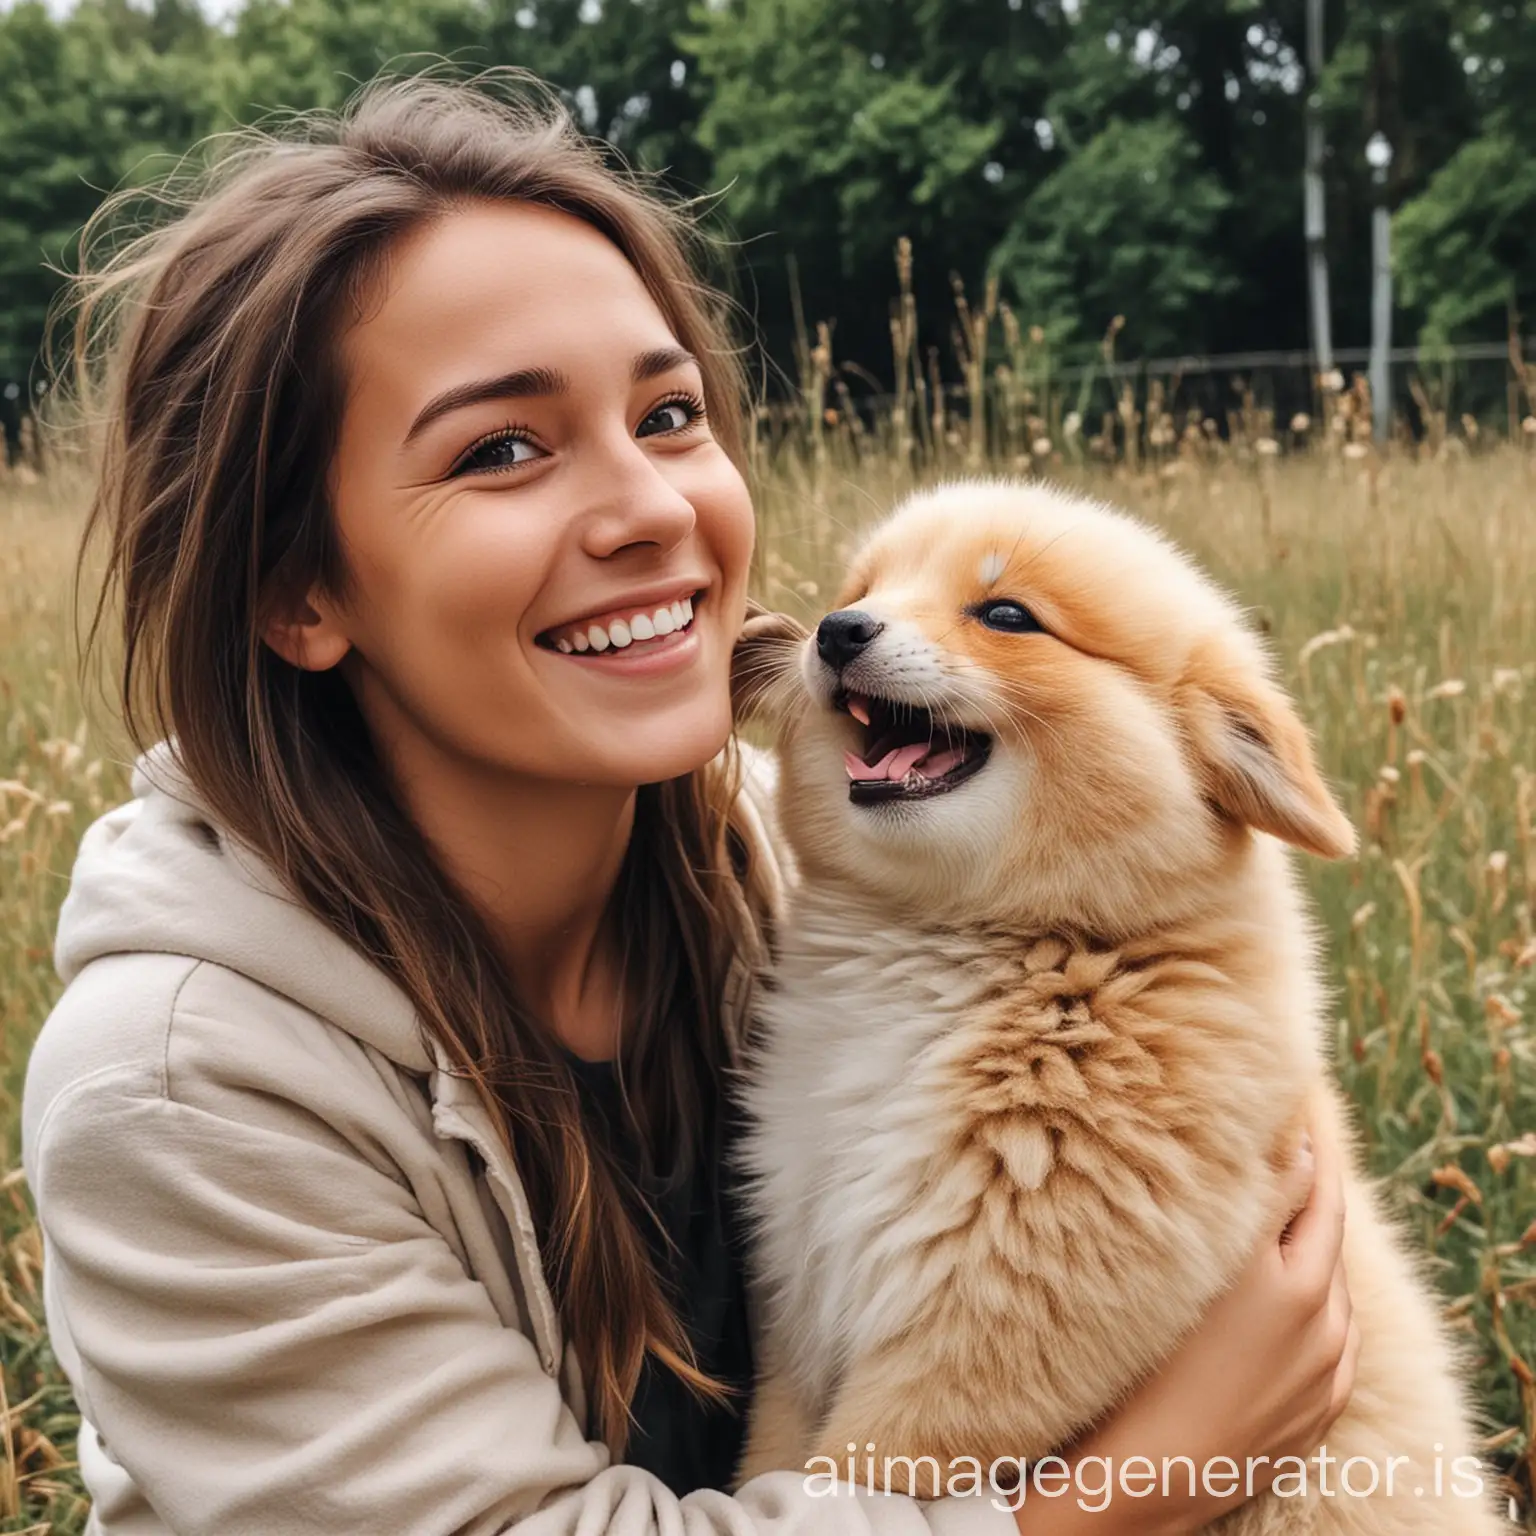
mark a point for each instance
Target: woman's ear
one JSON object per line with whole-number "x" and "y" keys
{"x": 1255, "y": 758}
{"x": 763, "y": 663}
{"x": 308, "y": 633}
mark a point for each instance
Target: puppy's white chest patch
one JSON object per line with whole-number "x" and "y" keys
{"x": 847, "y": 1127}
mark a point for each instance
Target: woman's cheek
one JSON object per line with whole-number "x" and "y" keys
{"x": 484, "y": 575}
{"x": 727, "y": 515}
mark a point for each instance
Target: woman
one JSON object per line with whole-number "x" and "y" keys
{"x": 377, "y": 1136}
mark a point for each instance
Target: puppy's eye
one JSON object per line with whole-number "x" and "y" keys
{"x": 1011, "y": 618}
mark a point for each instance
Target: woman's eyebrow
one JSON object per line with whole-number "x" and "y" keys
{"x": 658, "y": 361}
{"x": 524, "y": 382}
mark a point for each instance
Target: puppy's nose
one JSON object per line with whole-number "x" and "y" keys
{"x": 842, "y": 635}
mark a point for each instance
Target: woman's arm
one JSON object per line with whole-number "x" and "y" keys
{"x": 1264, "y": 1376}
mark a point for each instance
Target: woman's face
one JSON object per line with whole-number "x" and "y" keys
{"x": 547, "y": 549}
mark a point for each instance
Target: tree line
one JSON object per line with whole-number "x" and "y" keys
{"x": 1139, "y": 158}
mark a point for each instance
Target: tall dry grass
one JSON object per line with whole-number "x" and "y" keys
{"x": 56, "y": 773}
{"x": 1399, "y": 591}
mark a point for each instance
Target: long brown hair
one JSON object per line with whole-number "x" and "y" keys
{"x": 207, "y": 347}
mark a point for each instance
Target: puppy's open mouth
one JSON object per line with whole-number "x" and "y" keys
{"x": 907, "y": 754}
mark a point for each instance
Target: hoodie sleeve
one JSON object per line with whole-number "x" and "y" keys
{"x": 268, "y": 1320}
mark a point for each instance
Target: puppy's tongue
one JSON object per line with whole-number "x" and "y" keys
{"x": 941, "y": 762}
{"x": 899, "y": 762}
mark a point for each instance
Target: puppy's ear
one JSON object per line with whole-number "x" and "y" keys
{"x": 1255, "y": 758}
{"x": 763, "y": 670}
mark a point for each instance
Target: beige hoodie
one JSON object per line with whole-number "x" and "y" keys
{"x": 291, "y": 1273}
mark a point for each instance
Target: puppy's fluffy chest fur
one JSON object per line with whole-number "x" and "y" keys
{"x": 994, "y": 1124}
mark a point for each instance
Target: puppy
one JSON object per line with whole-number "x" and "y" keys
{"x": 1046, "y": 1020}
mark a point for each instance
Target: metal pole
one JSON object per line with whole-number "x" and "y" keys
{"x": 1314, "y": 209}
{"x": 1381, "y": 304}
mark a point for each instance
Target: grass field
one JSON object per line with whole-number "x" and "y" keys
{"x": 1400, "y": 595}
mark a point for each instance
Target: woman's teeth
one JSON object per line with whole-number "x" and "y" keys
{"x": 623, "y": 632}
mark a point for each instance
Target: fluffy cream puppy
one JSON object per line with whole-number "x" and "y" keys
{"x": 1046, "y": 1017}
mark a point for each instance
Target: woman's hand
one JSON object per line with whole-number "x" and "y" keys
{"x": 1266, "y": 1373}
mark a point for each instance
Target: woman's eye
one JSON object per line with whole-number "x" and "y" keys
{"x": 501, "y": 450}
{"x": 671, "y": 416}
{"x": 1008, "y": 616}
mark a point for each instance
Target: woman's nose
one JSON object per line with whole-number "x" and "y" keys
{"x": 635, "y": 504}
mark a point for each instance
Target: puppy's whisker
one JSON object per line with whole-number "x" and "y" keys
{"x": 1020, "y": 710}
{"x": 1049, "y": 544}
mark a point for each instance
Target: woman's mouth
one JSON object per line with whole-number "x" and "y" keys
{"x": 907, "y": 754}
{"x": 654, "y": 627}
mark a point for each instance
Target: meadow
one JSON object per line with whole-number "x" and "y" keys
{"x": 1398, "y": 589}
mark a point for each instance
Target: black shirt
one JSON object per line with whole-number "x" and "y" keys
{"x": 687, "y": 1442}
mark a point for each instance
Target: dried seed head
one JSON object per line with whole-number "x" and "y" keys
{"x": 1452, "y": 1177}
{"x": 1321, "y": 642}
{"x": 1502, "y": 1012}
{"x": 1521, "y": 1146}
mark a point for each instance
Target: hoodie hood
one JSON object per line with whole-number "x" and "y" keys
{"x": 157, "y": 875}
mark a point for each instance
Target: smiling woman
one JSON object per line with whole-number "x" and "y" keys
{"x": 487, "y": 514}
{"x": 422, "y": 493}
{"x": 381, "y": 1139}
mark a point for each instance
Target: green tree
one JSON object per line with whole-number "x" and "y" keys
{"x": 840, "y": 128}
{"x": 620, "y": 66}
{"x": 1124, "y": 226}
{"x": 1228, "y": 75}
{"x": 625, "y": 66}
{"x": 1104, "y": 156}
{"x": 87, "y": 103}
{"x": 1465, "y": 247}
{"x": 315, "y": 53}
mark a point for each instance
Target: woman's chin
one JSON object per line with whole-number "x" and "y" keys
{"x": 651, "y": 752}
